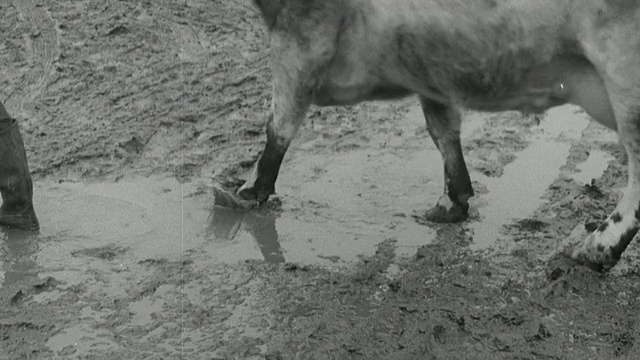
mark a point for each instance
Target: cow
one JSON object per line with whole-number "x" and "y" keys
{"x": 486, "y": 55}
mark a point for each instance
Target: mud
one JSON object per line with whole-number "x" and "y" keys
{"x": 130, "y": 110}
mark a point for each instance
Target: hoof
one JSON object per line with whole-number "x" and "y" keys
{"x": 593, "y": 255}
{"x": 25, "y": 220}
{"x": 251, "y": 193}
{"x": 440, "y": 214}
{"x": 560, "y": 265}
{"x": 231, "y": 200}
{"x": 601, "y": 262}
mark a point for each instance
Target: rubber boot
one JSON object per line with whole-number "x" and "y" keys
{"x": 16, "y": 186}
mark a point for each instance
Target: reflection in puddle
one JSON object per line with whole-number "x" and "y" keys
{"x": 17, "y": 255}
{"x": 226, "y": 223}
{"x": 335, "y": 217}
{"x": 109, "y": 225}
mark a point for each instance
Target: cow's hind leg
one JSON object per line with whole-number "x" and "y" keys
{"x": 443, "y": 123}
{"x": 603, "y": 248}
{"x": 288, "y": 108}
{"x": 614, "y": 54}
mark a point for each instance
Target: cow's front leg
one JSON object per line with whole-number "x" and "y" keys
{"x": 288, "y": 107}
{"x": 602, "y": 249}
{"x": 443, "y": 123}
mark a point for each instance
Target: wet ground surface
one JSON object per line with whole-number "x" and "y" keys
{"x": 131, "y": 110}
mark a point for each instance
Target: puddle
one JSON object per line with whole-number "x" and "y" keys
{"x": 593, "y": 167}
{"x": 337, "y": 207}
{"x": 232, "y": 225}
{"x": 340, "y": 205}
{"x": 517, "y": 193}
{"x": 328, "y": 218}
{"x": 355, "y": 202}
{"x": 137, "y": 218}
{"x": 17, "y": 256}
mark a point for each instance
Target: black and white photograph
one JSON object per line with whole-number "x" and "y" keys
{"x": 319, "y": 179}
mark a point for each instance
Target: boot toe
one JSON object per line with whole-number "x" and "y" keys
{"x": 25, "y": 221}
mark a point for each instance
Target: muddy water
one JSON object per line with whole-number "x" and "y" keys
{"x": 593, "y": 167}
{"x": 144, "y": 217}
{"x": 337, "y": 206}
{"x": 340, "y": 206}
{"x": 518, "y": 192}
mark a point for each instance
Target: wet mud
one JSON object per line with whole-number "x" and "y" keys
{"x": 132, "y": 111}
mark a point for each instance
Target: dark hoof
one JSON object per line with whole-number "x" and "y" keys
{"x": 565, "y": 261}
{"x": 230, "y": 200}
{"x": 560, "y": 265}
{"x": 593, "y": 255}
{"x": 259, "y": 195}
{"x": 25, "y": 220}
{"x": 599, "y": 264}
{"x": 440, "y": 214}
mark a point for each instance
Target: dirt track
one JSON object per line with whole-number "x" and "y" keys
{"x": 118, "y": 99}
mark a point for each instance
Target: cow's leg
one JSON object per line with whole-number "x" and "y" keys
{"x": 614, "y": 55}
{"x": 288, "y": 108}
{"x": 443, "y": 123}
{"x": 603, "y": 248}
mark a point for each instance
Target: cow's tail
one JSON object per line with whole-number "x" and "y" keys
{"x": 270, "y": 10}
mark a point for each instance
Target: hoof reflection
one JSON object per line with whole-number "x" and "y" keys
{"x": 225, "y": 224}
{"x": 17, "y": 255}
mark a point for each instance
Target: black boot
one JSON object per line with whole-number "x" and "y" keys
{"x": 16, "y": 186}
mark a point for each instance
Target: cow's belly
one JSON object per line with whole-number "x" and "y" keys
{"x": 566, "y": 79}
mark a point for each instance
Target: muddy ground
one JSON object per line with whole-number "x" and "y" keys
{"x": 129, "y": 109}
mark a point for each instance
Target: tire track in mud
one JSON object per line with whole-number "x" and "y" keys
{"x": 44, "y": 49}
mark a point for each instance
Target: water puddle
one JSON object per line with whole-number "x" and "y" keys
{"x": 328, "y": 218}
{"x": 337, "y": 207}
{"x": 593, "y": 167}
{"x": 18, "y": 251}
{"x": 517, "y": 193}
